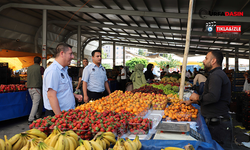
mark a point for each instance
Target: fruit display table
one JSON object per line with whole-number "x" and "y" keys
{"x": 14, "y": 105}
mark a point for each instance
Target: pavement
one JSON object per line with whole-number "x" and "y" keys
{"x": 18, "y": 125}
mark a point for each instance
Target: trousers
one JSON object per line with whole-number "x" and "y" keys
{"x": 35, "y": 94}
{"x": 221, "y": 131}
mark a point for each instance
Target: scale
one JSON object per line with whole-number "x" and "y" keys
{"x": 176, "y": 131}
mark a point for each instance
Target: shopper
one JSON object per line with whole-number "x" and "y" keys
{"x": 138, "y": 78}
{"x": 166, "y": 70}
{"x": 215, "y": 100}
{"x": 94, "y": 78}
{"x": 188, "y": 75}
{"x": 34, "y": 85}
{"x": 85, "y": 63}
{"x": 201, "y": 79}
{"x": 149, "y": 76}
{"x": 57, "y": 85}
{"x": 123, "y": 76}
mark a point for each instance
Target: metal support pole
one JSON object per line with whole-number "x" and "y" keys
{"x": 124, "y": 56}
{"x": 184, "y": 64}
{"x": 100, "y": 42}
{"x": 79, "y": 46}
{"x": 113, "y": 54}
{"x": 249, "y": 55}
{"x": 236, "y": 65}
{"x": 227, "y": 61}
{"x": 44, "y": 47}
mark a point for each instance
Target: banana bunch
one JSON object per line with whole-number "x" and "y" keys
{"x": 63, "y": 140}
{"x": 54, "y": 133}
{"x": 130, "y": 145}
{"x": 108, "y": 138}
{"x": 5, "y": 145}
{"x": 88, "y": 145}
{"x": 40, "y": 146}
{"x": 138, "y": 142}
{"x": 18, "y": 141}
{"x": 172, "y": 148}
{"x": 31, "y": 143}
{"x": 119, "y": 145}
{"x": 35, "y": 133}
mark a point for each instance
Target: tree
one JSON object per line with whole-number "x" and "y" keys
{"x": 202, "y": 66}
{"x": 173, "y": 63}
{"x": 141, "y": 52}
{"x": 104, "y": 55}
{"x": 106, "y": 66}
{"x": 134, "y": 61}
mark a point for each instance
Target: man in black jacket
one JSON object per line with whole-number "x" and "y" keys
{"x": 215, "y": 100}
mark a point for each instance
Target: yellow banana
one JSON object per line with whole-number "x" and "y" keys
{"x": 98, "y": 140}
{"x": 109, "y": 134}
{"x": 104, "y": 144}
{"x": 54, "y": 132}
{"x": 87, "y": 145}
{"x": 74, "y": 141}
{"x": 66, "y": 143}
{"x": 37, "y": 132}
{"x": 138, "y": 142}
{"x": 134, "y": 145}
{"x": 2, "y": 144}
{"x": 173, "y": 148}
{"x": 14, "y": 138}
{"x": 72, "y": 134}
{"x": 71, "y": 144}
{"x": 110, "y": 139}
{"x": 128, "y": 146}
{"x": 96, "y": 145}
{"x": 61, "y": 143}
{"x": 82, "y": 147}
{"x": 18, "y": 145}
{"x": 119, "y": 145}
{"x": 53, "y": 140}
{"x": 27, "y": 146}
{"x": 107, "y": 142}
{"x": 7, "y": 143}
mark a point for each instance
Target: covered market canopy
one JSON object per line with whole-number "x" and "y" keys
{"x": 18, "y": 60}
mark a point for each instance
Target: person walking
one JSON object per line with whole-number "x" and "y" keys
{"x": 85, "y": 63}
{"x": 57, "y": 85}
{"x": 34, "y": 85}
{"x": 95, "y": 79}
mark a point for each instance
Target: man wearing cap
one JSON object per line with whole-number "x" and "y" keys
{"x": 94, "y": 78}
{"x": 57, "y": 85}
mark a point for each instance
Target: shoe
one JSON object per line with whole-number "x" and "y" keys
{"x": 30, "y": 122}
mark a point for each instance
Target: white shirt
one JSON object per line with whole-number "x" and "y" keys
{"x": 123, "y": 77}
{"x": 166, "y": 70}
{"x": 95, "y": 77}
{"x": 56, "y": 77}
{"x": 200, "y": 78}
{"x": 188, "y": 74}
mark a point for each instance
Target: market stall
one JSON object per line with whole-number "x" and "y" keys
{"x": 14, "y": 105}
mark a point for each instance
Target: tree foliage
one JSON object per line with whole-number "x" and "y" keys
{"x": 104, "y": 55}
{"x": 134, "y": 61}
{"x": 141, "y": 52}
{"x": 106, "y": 66}
{"x": 173, "y": 63}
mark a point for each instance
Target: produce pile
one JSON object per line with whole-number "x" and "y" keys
{"x": 12, "y": 88}
{"x": 87, "y": 123}
{"x": 148, "y": 89}
{"x": 173, "y": 98}
{"x": 136, "y": 103}
{"x": 35, "y": 139}
{"x": 173, "y": 80}
{"x": 167, "y": 89}
{"x": 180, "y": 112}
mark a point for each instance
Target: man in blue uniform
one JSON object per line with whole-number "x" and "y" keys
{"x": 94, "y": 78}
{"x": 57, "y": 85}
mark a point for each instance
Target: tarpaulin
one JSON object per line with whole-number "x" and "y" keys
{"x": 14, "y": 105}
{"x": 161, "y": 144}
{"x": 18, "y": 60}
